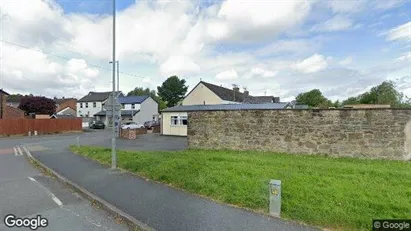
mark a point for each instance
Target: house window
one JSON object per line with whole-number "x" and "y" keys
{"x": 81, "y": 105}
{"x": 183, "y": 120}
{"x": 174, "y": 120}
{"x": 86, "y": 105}
{"x": 133, "y": 106}
{"x": 94, "y": 104}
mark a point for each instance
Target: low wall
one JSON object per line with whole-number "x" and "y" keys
{"x": 42, "y": 126}
{"x": 156, "y": 129}
{"x": 131, "y": 134}
{"x": 369, "y": 133}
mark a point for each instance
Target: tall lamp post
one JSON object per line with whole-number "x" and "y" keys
{"x": 118, "y": 74}
{"x": 118, "y": 90}
{"x": 113, "y": 140}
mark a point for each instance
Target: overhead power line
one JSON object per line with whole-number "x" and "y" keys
{"x": 66, "y": 58}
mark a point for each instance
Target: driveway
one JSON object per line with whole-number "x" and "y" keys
{"x": 153, "y": 142}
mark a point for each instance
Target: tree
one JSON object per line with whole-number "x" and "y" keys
{"x": 313, "y": 98}
{"x": 37, "y": 104}
{"x": 139, "y": 91}
{"x": 385, "y": 93}
{"x": 172, "y": 91}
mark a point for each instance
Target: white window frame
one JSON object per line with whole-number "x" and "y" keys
{"x": 174, "y": 119}
{"x": 180, "y": 120}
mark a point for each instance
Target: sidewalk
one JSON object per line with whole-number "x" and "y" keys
{"x": 157, "y": 205}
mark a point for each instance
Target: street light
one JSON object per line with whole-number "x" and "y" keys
{"x": 118, "y": 90}
{"x": 113, "y": 139}
{"x": 118, "y": 74}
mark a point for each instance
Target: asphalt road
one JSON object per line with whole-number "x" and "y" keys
{"x": 26, "y": 193}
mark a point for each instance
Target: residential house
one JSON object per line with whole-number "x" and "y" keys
{"x": 208, "y": 94}
{"x": 174, "y": 120}
{"x": 66, "y": 107}
{"x": 138, "y": 109}
{"x": 13, "y": 102}
{"x": 205, "y": 94}
{"x": 92, "y": 103}
{"x": 7, "y": 111}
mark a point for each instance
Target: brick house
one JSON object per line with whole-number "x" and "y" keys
{"x": 6, "y": 111}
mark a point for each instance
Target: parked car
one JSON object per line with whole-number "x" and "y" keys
{"x": 131, "y": 125}
{"x": 97, "y": 125}
{"x": 151, "y": 124}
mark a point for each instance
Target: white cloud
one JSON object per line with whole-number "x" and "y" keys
{"x": 404, "y": 57}
{"x": 401, "y": 32}
{"x": 246, "y": 21}
{"x": 221, "y": 42}
{"x": 348, "y": 6}
{"x": 227, "y": 75}
{"x": 260, "y": 72}
{"x": 30, "y": 71}
{"x": 385, "y": 5}
{"x": 179, "y": 65}
{"x": 336, "y": 23}
{"x": 312, "y": 64}
{"x": 346, "y": 61}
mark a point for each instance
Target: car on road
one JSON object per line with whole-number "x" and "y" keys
{"x": 131, "y": 125}
{"x": 97, "y": 125}
{"x": 151, "y": 124}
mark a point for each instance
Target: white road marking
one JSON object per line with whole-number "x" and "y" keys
{"x": 15, "y": 151}
{"x": 20, "y": 152}
{"x": 55, "y": 199}
{"x": 27, "y": 151}
{"x": 91, "y": 221}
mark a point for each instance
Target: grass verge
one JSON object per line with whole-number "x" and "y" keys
{"x": 343, "y": 193}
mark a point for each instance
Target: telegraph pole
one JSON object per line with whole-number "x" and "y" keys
{"x": 113, "y": 140}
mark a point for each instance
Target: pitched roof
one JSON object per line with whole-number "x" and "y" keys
{"x": 62, "y": 100}
{"x": 3, "y": 92}
{"x": 231, "y": 95}
{"x": 123, "y": 113}
{"x": 226, "y": 107}
{"x": 96, "y": 96}
{"x": 132, "y": 99}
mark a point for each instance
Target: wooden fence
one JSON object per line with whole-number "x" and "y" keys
{"x": 42, "y": 126}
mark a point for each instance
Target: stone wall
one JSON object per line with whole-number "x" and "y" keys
{"x": 369, "y": 133}
{"x": 131, "y": 134}
{"x": 156, "y": 129}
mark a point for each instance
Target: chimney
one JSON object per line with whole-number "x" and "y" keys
{"x": 236, "y": 89}
{"x": 246, "y": 92}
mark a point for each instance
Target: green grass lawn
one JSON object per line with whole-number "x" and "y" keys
{"x": 328, "y": 192}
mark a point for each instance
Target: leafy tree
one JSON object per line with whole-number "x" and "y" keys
{"x": 172, "y": 91}
{"x": 139, "y": 91}
{"x": 385, "y": 93}
{"x": 351, "y": 100}
{"x": 37, "y": 104}
{"x": 313, "y": 98}
{"x": 336, "y": 104}
{"x": 14, "y": 97}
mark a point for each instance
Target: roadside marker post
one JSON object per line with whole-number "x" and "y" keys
{"x": 275, "y": 197}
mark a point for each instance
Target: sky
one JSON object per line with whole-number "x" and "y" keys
{"x": 270, "y": 47}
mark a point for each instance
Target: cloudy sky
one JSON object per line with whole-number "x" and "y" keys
{"x": 273, "y": 47}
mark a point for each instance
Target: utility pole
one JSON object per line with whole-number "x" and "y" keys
{"x": 113, "y": 140}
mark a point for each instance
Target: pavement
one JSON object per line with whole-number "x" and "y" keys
{"x": 26, "y": 192}
{"x": 156, "y": 205}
